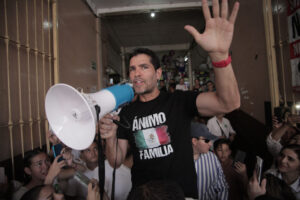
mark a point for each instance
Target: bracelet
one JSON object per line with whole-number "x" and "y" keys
{"x": 222, "y": 63}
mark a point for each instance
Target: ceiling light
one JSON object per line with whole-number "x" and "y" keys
{"x": 186, "y": 58}
{"x": 152, "y": 14}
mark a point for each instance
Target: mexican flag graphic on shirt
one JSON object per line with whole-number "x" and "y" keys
{"x": 152, "y": 137}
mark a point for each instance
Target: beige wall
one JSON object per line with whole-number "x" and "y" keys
{"x": 77, "y": 44}
{"x": 249, "y": 58}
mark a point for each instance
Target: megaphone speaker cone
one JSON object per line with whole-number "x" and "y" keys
{"x": 70, "y": 116}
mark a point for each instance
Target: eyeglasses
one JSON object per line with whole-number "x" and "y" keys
{"x": 205, "y": 140}
{"x": 40, "y": 163}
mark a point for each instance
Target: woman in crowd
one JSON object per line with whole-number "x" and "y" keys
{"x": 288, "y": 167}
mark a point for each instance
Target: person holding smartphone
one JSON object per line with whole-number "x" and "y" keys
{"x": 38, "y": 170}
{"x": 284, "y": 132}
{"x": 235, "y": 170}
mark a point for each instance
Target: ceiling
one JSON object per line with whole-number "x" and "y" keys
{"x": 129, "y": 23}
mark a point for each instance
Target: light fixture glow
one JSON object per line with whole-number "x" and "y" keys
{"x": 152, "y": 14}
{"x": 297, "y": 106}
{"x": 186, "y": 58}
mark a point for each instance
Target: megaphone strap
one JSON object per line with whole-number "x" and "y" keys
{"x": 126, "y": 126}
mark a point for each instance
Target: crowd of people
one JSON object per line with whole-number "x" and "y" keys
{"x": 165, "y": 153}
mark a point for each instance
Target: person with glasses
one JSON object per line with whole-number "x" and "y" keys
{"x": 211, "y": 181}
{"x": 38, "y": 171}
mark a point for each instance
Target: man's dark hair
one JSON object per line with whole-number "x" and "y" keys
{"x": 153, "y": 57}
{"x": 219, "y": 142}
{"x": 157, "y": 190}
{"x": 278, "y": 189}
{"x": 33, "y": 193}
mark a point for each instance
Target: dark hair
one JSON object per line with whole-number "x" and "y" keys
{"x": 28, "y": 161}
{"x": 153, "y": 57}
{"x": 29, "y": 155}
{"x": 33, "y": 193}
{"x": 157, "y": 190}
{"x": 277, "y": 188}
{"x": 209, "y": 81}
{"x": 219, "y": 142}
{"x": 294, "y": 147}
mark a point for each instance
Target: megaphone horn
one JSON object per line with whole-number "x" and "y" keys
{"x": 72, "y": 115}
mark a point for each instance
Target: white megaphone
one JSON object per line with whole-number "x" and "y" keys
{"x": 72, "y": 115}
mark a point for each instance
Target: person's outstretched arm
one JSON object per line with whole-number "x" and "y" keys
{"x": 216, "y": 40}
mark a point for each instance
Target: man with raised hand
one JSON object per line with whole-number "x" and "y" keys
{"x": 159, "y": 132}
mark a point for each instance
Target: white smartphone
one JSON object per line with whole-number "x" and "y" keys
{"x": 258, "y": 167}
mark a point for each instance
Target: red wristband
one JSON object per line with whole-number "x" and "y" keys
{"x": 222, "y": 63}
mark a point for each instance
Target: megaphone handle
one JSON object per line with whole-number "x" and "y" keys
{"x": 101, "y": 158}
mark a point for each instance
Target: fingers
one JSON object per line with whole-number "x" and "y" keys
{"x": 234, "y": 13}
{"x": 205, "y": 10}
{"x": 263, "y": 183}
{"x": 254, "y": 177}
{"x": 192, "y": 31}
{"x": 216, "y": 8}
{"x": 224, "y": 9}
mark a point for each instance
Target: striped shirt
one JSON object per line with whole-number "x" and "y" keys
{"x": 210, "y": 178}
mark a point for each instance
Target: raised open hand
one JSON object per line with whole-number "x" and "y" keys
{"x": 218, "y": 33}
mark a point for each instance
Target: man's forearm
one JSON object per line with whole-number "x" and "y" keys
{"x": 114, "y": 154}
{"x": 278, "y": 133}
{"x": 227, "y": 88}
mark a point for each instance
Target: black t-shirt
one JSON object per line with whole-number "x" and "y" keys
{"x": 160, "y": 140}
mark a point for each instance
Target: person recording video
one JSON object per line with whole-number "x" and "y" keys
{"x": 284, "y": 132}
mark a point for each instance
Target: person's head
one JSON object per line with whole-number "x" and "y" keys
{"x": 144, "y": 71}
{"x": 278, "y": 189}
{"x": 288, "y": 160}
{"x": 181, "y": 81}
{"x": 222, "y": 149}
{"x": 201, "y": 138}
{"x": 90, "y": 155}
{"x": 172, "y": 88}
{"x": 295, "y": 139}
{"x": 210, "y": 86}
{"x": 36, "y": 165}
{"x": 42, "y": 192}
{"x": 157, "y": 190}
{"x": 289, "y": 134}
{"x": 197, "y": 82}
{"x": 161, "y": 83}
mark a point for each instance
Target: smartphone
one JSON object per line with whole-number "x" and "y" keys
{"x": 278, "y": 114}
{"x": 240, "y": 156}
{"x": 258, "y": 168}
{"x": 81, "y": 178}
{"x": 57, "y": 150}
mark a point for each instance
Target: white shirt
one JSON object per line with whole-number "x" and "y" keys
{"x": 181, "y": 87}
{"x": 214, "y": 128}
{"x": 274, "y": 146}
{"x": 122, "y": 181}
